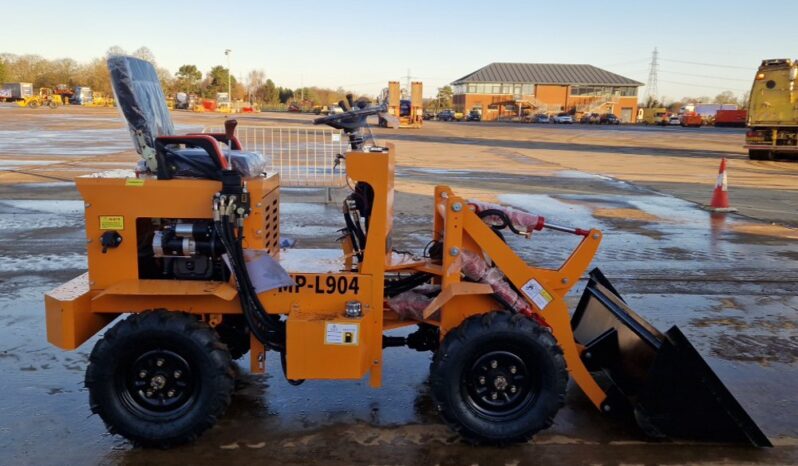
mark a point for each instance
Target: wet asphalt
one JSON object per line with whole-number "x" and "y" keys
{"x": 732, "y": 292}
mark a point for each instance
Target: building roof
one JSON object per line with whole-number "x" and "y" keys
{"x": 545, "y": 73}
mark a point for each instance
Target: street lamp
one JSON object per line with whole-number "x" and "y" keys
{"x": 229, "y": 80}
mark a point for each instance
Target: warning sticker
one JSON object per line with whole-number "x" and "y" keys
{"x": 341, "y": 334}
{"x": 112, "y": 222}
{"x": 534, "y": 291}
{"x": 134, "y": 182}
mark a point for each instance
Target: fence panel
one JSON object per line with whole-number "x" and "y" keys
{"x": 302, "y": 156}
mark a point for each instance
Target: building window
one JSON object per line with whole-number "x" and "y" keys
{"x": 472, "y": 88}
{"x": 603, "y": 91}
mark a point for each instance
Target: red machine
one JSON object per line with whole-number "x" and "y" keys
{"x": 692, "y": 120}
{"x": 735, "y": 118}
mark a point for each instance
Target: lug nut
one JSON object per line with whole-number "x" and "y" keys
{"x": 494, "y": 395}
{"x": 513, "y": 369}
{"x": 170, "y": 393}
{"x": 512, "y": 389}
{"x": 177, "y": 374}
{"x": 481, "y": 380}
{"x": 494, "y": 364}
{"x": 143, "y": 374}
{"x": 159, "y": 362}
{"x": 148, "y": 393}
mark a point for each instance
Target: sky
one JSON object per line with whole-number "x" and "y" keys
{"x": 705, "y": 47}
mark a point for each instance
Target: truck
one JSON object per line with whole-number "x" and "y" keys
{"x": 773, "y": 110}
{"x": 12, "y": 92}
{"x": 734, "y": 118}
{"x": 81, "y": 96}
{"x": 651, "y": 116}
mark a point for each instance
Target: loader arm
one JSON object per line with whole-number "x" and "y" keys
{"x": 463, "y": 229}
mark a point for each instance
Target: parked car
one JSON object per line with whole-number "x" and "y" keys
{"x": 609, "y": 119}
{"x": 590, "y": 118}
{"x": 674, "y": 120}
{"x": 541, "y": 118}
{"x": 446, "y": 115}
{"x": 336, "y": 109}
{"x": 474, "y": 115}
{"x": 427, "y": 115}
{"x": 563, "y": 118}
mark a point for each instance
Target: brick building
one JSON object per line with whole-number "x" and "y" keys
{"x": 513, "y": 89}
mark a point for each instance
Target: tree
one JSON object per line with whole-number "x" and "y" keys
{"x": 2, "y": 71}
{"x": 216, "y": 81}
{"x": 725, "y": 97}
{"x": 255, "y": 80}
{"x": 115, "y": 50}
{"x": 652, "y": 102}
{"x": 285, "y": 94}
{"x": 267, "y": 93}
{"x": 188, "y": 78}
{"x": 744, "y": 99}
{"x": 145, "y": 53}
{"x": 445, "y": 96}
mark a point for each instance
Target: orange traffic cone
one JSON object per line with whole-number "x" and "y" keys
{"x": 720, "y": 196}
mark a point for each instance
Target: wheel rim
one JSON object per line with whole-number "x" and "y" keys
{"x": 500, "y": 384}
{"x": 158, "y": 383}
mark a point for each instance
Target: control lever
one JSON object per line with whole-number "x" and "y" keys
{"x": 230, "y": 129}
{"x": 345, "y": 105}
{"x": 350, "y": 99}
{"x": 338, "y": 159}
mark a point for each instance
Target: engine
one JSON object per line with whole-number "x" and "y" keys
{"x": 181, "y": 250}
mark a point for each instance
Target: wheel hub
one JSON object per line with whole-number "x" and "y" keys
{"x": 499, "y": 383}
{"x": 158, "y": 381}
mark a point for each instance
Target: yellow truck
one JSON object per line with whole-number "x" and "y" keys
{"x": 773, "y": 110}
{"x": 651, "y": 116}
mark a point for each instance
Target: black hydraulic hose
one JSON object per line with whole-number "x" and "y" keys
{"x": 267, "y": 331}
{"x": 271, "y": 323}
{"x": 506, "y": 222}
{"x": 358, "y": 240}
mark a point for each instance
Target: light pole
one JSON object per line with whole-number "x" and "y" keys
{"x": 229, "y": 81}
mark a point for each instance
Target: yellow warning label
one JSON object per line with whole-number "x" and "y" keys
{"x": 134, "y": 182}
{"x": 112, "y": 222}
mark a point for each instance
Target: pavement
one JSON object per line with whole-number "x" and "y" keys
{"x": 728, "y": 281}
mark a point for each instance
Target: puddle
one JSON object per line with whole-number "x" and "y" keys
{"x": 72, "y": 143}
{"x": 42, "y": 262}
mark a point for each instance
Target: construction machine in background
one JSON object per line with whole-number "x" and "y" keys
{"x": 82, "y": 95}
{"x": 409, "y": 111}
{"x": 773, "y": 110}
{"x": 15, "y": 92}
{"x": 651, "y": 116}
{"x": 45, "y": 98}
{"x": 184, "y": 255}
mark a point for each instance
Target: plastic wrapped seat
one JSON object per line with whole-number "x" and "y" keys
{"x": 142, "y": 102}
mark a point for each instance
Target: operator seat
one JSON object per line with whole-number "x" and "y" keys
{"x": 142, "y": 102}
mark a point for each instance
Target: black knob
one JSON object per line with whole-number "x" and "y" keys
{"x": 110, "y": 239}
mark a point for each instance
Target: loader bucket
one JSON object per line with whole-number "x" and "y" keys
{"x": 661, "y": 376}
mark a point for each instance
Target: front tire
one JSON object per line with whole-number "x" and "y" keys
{"x": 159, "y": 378}
{"x": 498, "y": 378}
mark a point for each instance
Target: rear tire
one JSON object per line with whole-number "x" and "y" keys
{"x": 159, "y": 378}
{"x": 760, "y": 155}
{"x": 498, "y": 378}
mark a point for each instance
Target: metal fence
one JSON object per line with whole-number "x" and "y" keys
{"x": 302, "y": 156}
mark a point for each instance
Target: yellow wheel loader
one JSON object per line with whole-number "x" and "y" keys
{"x": 184, "y": 258}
